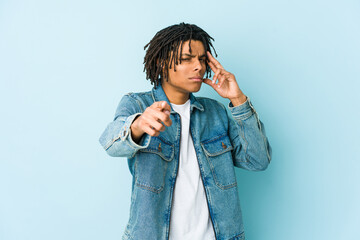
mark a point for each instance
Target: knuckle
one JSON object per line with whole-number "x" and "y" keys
{"x": 147, "y": 111}
{"x": 143, "y": 118}
{"x": 164, "y": 116}
{"x": 158, "y": 126}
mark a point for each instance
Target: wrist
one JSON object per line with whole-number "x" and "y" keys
{"x": 238, "y": 100}
{"x": 136, "y": 132}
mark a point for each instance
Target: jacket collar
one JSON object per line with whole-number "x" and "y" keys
{"x": 159, "y": 95}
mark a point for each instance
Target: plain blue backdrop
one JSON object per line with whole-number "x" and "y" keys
{"x": 65, "y": 64}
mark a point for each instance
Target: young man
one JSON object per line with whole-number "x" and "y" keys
{"x": 182, "y": 149}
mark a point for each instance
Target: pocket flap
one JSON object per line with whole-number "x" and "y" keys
{"x": 217, "y": 145}
{"x": 161, "y": 147}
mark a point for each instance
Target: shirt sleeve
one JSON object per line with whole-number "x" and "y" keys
{"x": 252, "y": 150}
{"x": 116, "y": 138}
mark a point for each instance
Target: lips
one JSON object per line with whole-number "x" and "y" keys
{"x": 198, "y": 79}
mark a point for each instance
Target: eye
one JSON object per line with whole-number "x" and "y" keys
{"x": 185, "y": 59}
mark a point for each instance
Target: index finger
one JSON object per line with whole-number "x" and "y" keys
{"x": 213, "y": 60}
{"x": 162, "y": 105}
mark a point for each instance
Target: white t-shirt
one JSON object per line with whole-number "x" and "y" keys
{"x": 190, "y": 219}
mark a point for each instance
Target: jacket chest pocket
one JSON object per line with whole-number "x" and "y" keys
{"x": 151, "y": 164}
{"x": 218, "y": 154}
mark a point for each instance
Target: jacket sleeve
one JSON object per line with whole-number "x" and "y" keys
{"x": 252, "y": 150}
{"x": 116, "y": 138}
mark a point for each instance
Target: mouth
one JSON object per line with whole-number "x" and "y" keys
{"x": 196, "y": 79}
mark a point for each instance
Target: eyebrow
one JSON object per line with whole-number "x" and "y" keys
{"x": 189, "y": 55}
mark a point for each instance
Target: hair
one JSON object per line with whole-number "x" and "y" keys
{"x": 167, "y": 41}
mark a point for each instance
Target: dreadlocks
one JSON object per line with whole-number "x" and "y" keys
{"x": 167, "y": 41}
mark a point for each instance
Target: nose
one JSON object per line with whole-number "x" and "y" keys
{"x": 198, "y": 65}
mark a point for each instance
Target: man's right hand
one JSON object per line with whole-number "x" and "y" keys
{"x": 150, "y": 120}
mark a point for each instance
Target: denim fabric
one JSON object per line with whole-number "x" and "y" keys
{"x": 221, "y": 139}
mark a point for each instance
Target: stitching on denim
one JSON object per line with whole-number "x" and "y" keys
{"x": 218, "y": 153}
{"x": 210, "y": 208}
{"x": 130, "y": 145}
{"x": 148, "y": 186}
{"x": 221, "y": 186}
{"x": 123, "y": 121}
{"x": 244, "y": 116}
{"x": 212, "y": 168}
{"x": 225, "y": 136}
{"x": 243, "y": 136}
{"x": 130, "y": 95}
{"x": 111, "y": 142}
{"x": 155, "y": 150}
{"x": 265, "y": 141}
{"x": 127, "y": 235}
{"x": 214, "y": 139}
{"x": 237, "y": 236}
{"x": 141, "y": 108}
{"x": 152, "y": 95}
{"x": 132, "y": 199}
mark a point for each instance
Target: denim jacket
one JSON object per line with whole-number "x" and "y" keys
{"x": 221, "y": 142}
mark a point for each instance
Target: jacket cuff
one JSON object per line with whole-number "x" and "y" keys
{"x": 126, "y": 134}
{"x": 243, "y": 111}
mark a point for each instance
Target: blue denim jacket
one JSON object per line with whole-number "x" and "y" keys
{"x": 221, "y": 142}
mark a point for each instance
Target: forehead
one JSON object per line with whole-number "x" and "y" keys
{"x": 197, "y": 47}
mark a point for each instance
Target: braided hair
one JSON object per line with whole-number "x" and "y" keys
{"x": 167, "y": 41}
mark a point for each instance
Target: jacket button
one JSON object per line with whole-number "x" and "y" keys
{"x": 159, "y": 147}
{"x": 223, "y": 145}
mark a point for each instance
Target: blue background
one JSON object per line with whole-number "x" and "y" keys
{"x": 64, "y": 66}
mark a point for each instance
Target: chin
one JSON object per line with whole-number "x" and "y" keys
{"x": 196, "y": 89}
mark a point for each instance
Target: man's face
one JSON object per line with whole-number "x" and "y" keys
{"x": 189, "y": 74}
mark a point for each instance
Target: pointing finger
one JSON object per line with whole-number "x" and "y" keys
{"x": 165, "y": 106}
{"x": 162, "y": 106}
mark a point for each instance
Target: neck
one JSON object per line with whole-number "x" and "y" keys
{"x": 176, "y": 97}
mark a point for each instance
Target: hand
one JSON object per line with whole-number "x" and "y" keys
{"x": 150, "y": 120}
{"x": 227, "y": 86}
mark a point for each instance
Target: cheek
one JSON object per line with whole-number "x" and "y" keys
{"x": 182, "y": 70}
{"x": 174, "y": 76}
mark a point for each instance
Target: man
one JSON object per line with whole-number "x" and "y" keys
{"x": 182, "y": 149}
